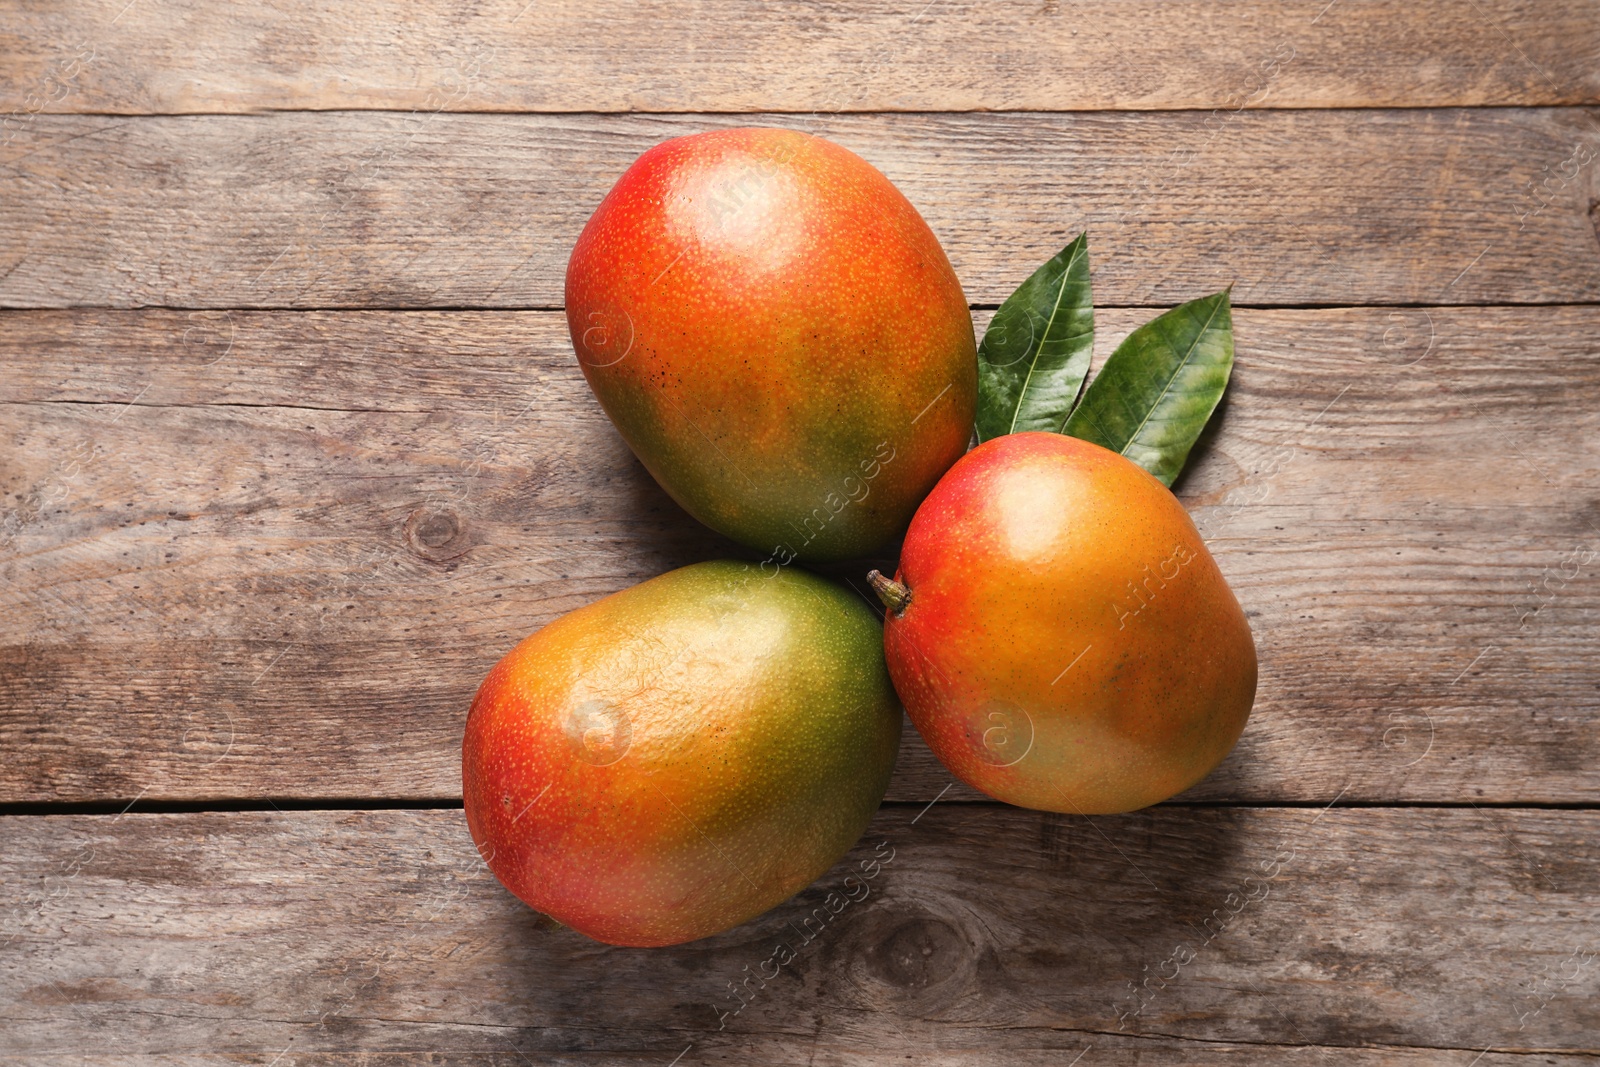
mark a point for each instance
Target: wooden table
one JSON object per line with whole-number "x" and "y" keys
{"x": 294, "y": 448}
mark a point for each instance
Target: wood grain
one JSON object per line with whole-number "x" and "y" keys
{"x": 459, "y": 211}
{"x": 269, "y": 554}
{"x": 724, "y": 55}
{"x": 262, "y": 557}
{"x": 1358, "y": 937}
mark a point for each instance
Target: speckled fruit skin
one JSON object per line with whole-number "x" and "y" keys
{"x": 1069, "y": 645}
{"x": 778, "y": 336}
{"x": 676, "y": 758}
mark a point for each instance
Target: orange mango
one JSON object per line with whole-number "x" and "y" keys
{"x": 777, "y": 334}
{"x": 1059, "y": 633}
{"x": 683, "y": 755}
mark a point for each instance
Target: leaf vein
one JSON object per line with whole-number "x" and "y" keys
{"x": 1055, "y": 309}
{"x": 1167, "y": 388}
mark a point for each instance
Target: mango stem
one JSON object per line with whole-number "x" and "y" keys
{"x": 895, "y": 597}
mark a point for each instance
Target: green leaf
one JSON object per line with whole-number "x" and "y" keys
{"x": 1035, "y": 352}
{"x": 1153, "y": 397}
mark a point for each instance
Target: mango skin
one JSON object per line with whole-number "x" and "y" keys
{"x": 1070, "y": 644}
{"x": 777, "y": 334}
{"x": 674, "y": 759}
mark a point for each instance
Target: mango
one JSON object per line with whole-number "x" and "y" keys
{"x": 678, "y": 757}
{"x": 778, "y": 336}
{"x": 1059, "y": 633}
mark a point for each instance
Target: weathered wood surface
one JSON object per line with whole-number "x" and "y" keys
{"x": 727, "y": 55}
{"x": 269, "y": 554}
{"x": 984, "y": 934}
{"x": 444, "y": 210}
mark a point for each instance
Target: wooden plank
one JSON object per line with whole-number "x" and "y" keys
{"x": 562, "y": 55}
{"x": 364, "y": 210}
{"x": 253, "y": 554}
{"x": 984, "y": 934}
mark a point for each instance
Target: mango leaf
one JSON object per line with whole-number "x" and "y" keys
{"x": 1153, "y": 397}
{"x": 1035, "y": 353}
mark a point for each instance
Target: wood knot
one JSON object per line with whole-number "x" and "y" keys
{"x": 436, "y": 533}
{"x": 916, "y": 955}
{"x": 919, "y": 954}
{"x": 922, "y": 957}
